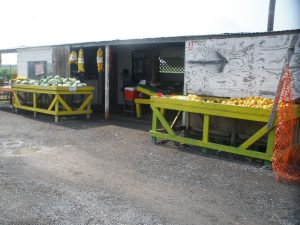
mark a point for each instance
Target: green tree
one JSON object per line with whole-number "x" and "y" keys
{"x": 7, "y": 74}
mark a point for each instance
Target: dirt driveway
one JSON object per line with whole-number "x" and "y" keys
{"x": 109, "y": 172}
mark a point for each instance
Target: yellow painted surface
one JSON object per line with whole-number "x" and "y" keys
{"x": 57, "y": 92}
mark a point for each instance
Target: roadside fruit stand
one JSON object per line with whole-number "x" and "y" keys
{"x": 252, "y": 108}
{"x": 40, "y": 97}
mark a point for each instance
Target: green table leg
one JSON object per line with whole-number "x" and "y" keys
{"x": 154, "y": 127}
{"x": 205, "y": 128}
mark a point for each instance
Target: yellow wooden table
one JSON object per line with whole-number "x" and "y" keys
{"x": 8, "y": 91}
{"x": 142, "y": 101}
{"x": 146, "y": 90}
{"x": 57, "y": 105}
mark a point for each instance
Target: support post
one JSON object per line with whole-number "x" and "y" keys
{"x": 233, "y": 132}
{"x": 56, "y": 110}
{"x": 290, "y": 53}
{"x": 184, "y": 121}
{"x": 270, "y": 145}
{"x": 34, "y": 105}
{"x": 154, "y": 126}
{"x": 205, "y": 128}
{"x": 88, "y": 116}
{"x": 298, "y": 132}
{"x": 138, "y": 110}
{"x": 271, "y": 15}
{"x": 107, "y": 66}
{"x": 162, "y": 111}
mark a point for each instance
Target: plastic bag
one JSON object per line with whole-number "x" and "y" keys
{"x": 81, "y": 62}
{"x": 73, "y": 58}
{"x": 100, "y": 60}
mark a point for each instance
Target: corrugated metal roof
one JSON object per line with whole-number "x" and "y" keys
{"x": 157, "y": 40}
{"x": 179, "y": 38}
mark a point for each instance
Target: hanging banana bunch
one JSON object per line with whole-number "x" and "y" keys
{"x": 100, "y": 60}
{"x": 81, "y": 62}
{"x": 73, "y": 58}
{"x": 0, "y": 59}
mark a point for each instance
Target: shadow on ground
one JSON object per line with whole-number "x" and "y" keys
{"x": 79, "y": 122}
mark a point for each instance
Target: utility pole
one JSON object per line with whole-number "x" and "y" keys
{"x": 271, "y": 15}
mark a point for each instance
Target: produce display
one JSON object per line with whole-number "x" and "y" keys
{"x": 254, "y": 102}
{"x": 81, "y": 61}
{"x": 73, "y": 58}
{"x": 50, "y": 81}
{"x": 19, "y": 78}
{"x": 100, "y": 60}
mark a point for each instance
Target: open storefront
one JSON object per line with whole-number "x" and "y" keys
{"x": 156, "y": 67}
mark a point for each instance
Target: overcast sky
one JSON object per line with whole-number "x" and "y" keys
{"x": 36, "y": 22}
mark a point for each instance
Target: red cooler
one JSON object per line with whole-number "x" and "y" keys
{"x": 130, "y": 93}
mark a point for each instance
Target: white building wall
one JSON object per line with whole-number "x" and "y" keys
{"x": 22, "y": 69}
{"x": 239, "y": 66}
{"x": 33, "y": 54}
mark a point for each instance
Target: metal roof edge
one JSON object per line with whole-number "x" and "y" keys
{"x": 9, "y": 50}
{"x": 179, "y": 38}
{"x": 157, "y": 40}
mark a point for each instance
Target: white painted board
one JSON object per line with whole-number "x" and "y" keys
{"x": 239, "y": 66}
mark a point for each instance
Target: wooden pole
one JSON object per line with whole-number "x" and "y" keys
{"x": 271, "y": 15}
{"x": 107, "y": 81}
{"x": 290, "y": 53}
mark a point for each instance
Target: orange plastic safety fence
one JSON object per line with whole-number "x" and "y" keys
{"x": 286, "y": 155}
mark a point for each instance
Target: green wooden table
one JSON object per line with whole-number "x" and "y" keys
{"x": 214, "y": 109}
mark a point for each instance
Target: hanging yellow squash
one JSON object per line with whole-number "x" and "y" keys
{"x": 73, "y": 58}
{"x": 81, "y": 62}
{"x": 100, "y": 60}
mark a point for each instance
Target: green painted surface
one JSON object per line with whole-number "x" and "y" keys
{"x": 270, "y": 143}
{"x": 219, "y": 147}
{"x": 215, "y": 109}
{"x": 261, "y": 132}
{"x": 205, "y": 128}
{"x": 163, "y": 121}
{"x": 203, "y": 109}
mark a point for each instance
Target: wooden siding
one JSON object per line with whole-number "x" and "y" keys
{"x": 60, "y": 59}
{"x": 239, "y": 67}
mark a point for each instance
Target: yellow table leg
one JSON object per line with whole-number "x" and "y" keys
{"x": 138, "y": 110}
{"x": 162, "y": 111}
{"x": 56, "y": 110}
{"x": 88, "y": 116}
{"x": 34, "y": 105}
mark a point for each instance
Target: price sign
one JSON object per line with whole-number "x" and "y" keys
{"x": 39, "y": 69}
{"x": 72, "y": 89}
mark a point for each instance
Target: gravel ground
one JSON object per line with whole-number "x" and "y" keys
{"x": 109, "y": 172}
